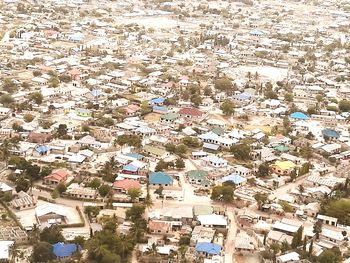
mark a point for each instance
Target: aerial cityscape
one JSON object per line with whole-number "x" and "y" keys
{"x": 169, "y": 131}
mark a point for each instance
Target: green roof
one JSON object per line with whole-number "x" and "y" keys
{"x": 154, "y": 150}
{"x": 281, "y": 148}
{"x": 170, "y": 116}
{"x": 197, "y": 174}
{"x": 202, "y": 210}
{"x": 218, "y": 131}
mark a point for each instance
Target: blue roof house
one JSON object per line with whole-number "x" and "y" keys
{"x": 40, "y": 150}
{"x": 332, "y": 134}
{"x": 299, "y": 116}
{"x": 208, "y": 249}
{"x": 234, "y": 178}
{"x": 130, "y": 169}
{"x": 160, "y": 178}
{"x": 157, "y": 101}
{"x": 62, "y": 250}
{"x": 160, "y": 109}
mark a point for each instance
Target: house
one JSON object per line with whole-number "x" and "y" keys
{"x": 5, "y": 248}
{"x": 89, "y": 141}
{"x": 197, "y": 176}
{"x": 41, "y": 150}
{"x": 62, "y": 250}
{"x": 155, "y": 151}
{"x": 169, "y": 117}
{"x": 215, "y": 161}
{"x": 75, "y": 190}
{"x": 160, "y": 178}
{"x": 202, "y": 234}
{"x": 159, "y": 227}
{"x": 124, "y": 185}
{"x": 39, "y": 138}
{"x": 183, "y": 214}
{"x": 328, "y": 220}
{"x": 83, "y": 113}
{"x": 278, "y": 237}
{"x": 288, "y": 258}
{"x": 4, "y": 188}
{"x": 236, "y": 179}
{"x": 244, "y": 242}
{"x": 191, "y": 113}
{"x": 51, "y": 214}
{"x": 207, "y": 250}
{"x": 283, "y": 167}
{"x": 24, "y": 201}
{"x": 334, "y": 236}
{"x": 57, "y": 177}
{"x": 213, "y": 220}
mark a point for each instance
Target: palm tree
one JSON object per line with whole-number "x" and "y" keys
{"x": 6, "y": 147}
{"x": 125, "y": 245}
{"x": 152, "y": 250}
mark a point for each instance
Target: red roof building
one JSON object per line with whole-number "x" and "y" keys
{"x": 57, "y": 177}
{"x": 191, "y": 112}
{"x": 126, "y": 184}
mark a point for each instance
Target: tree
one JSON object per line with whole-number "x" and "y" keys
{"x": 344, "y": 105}
{"x": 263, "y": 170}
{"x": 241, "y": 151}
{"x": 261, "y": 199}
{"x": 52, "y": 234}
{"x": 17, "y": 127}
{"x": 179, "y": 163}
{"x": 301, "y": 188}
{"x": 191, "y": 142}
{"x": 54, "y": 82}
{"x": 91, "y": 211}
{"x": 311, "y": 247}
{"x": 22, "y": 184}
{"x": 131, "y": 140}
{"x": 6, "y": 99}
{"x": 61, "y": 188}
{"x": 134, "y": 193}
{"x": 94, "y": 183}
{"x": 317, "y": 229}
{"x": 332, "y": 255}
{"x": 306, "y": 152}
{"x": 286, "y": 125}
{"x": 104, "y": 190}
{"x": 288, "y": 97}
{"x": 223, "y": 84}
{"x": 298, "y": 238}
{"x": 28, "y": 117}
{"x": 61, "y": 130}
{"x": 286, "y": 206}
{"x": 42, "y": 252}
{"x": 271, "y": 95}
{"x": 181, "y": 150}
{"x": 37, "y": 97}
{"x": 222, "y": 193}
{"x": 161, "y": 166}
{"x": 227, "y": 107}
{"x": 159, "y": 191}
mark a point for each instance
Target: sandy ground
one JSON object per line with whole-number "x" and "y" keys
{"x": 247, "y": 259}
{"x": 152, "y": 117}
{"x": 28, "y": 218}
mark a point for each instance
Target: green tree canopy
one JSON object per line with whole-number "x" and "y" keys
{"x": 241, "y": 151}
{"x": 42, "y": 252}
{"x": 227, "y": 107}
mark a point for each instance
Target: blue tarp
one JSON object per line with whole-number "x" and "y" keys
{"x": 330, "y": 133}
{"x": 62, "y": 250}
{"x": 299, "y": 116}
{"x": 209, "y": 248}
